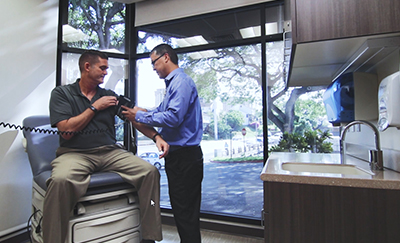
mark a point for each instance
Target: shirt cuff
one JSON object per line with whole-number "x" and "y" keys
{"x": 140, "y": 116}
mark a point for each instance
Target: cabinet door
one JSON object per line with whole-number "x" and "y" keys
{"x": 300, "y": 213}
{"x": 317, "y": 20}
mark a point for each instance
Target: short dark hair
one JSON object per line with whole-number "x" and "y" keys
{"x": 92, "y": 57}
{"x": 165, "y": 48}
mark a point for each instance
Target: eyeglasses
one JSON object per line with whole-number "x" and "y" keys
{"x": 155, "y": 60}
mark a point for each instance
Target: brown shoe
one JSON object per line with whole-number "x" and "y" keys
{"x": 148, "y": 241}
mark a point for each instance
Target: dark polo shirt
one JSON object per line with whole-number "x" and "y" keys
{"x": 68, "y": 101}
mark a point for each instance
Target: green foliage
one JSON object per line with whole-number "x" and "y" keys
{"x": 316, "y": 141}
{"x": 312, "y": 141}
{"x": 230, "y": 122}
{"x": 206, "y": 82}
{"x": 310, "y": 113}
{"x": 224, "y": 130}
{"x": 234, "y": 119}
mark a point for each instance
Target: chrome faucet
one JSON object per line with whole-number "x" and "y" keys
{"x": 375, "y": 156}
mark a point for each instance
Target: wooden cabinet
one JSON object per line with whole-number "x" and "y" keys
{"x": 327, "y": 35}
{"x": 316, "y": 20}
{"x": 313, "y": 213}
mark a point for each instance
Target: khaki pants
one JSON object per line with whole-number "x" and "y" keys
{"x": 70, "y": 179}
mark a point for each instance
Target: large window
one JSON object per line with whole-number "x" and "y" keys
{"x": 115, "y": 80}
{"x": 97, "y": 24}
{"x": 229, "y": 86}
{"x": 297, "y": 120}
{"x": 223, "y": 56}
{"x": 100, "y": 25}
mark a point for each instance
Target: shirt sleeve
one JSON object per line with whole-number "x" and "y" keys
{"x": 171, "y": 112}
{"x": 60, "y": 108}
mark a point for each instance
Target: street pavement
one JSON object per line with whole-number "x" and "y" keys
{"x": 228, "y": 188}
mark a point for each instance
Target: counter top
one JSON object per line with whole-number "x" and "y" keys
{"x": 273, "y": 172}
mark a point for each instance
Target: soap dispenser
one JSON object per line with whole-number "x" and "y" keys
{"x": 388, "y": 102}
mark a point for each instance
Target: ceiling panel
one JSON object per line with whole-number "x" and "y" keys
{"x": 214, "y": 28}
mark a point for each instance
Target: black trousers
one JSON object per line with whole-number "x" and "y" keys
{"x": 184, "y": 168}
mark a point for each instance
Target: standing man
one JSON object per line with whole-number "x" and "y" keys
{"x": 180, "y": 120}
{"x": 84, "y": 106}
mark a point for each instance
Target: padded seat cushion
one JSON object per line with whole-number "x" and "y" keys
{"x": 100, "y": 182}
{"x": 41, "y": 149}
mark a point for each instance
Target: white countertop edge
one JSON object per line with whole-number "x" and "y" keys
{"x": 272, "y": 172}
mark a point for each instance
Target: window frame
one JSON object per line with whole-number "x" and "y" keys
{"x": 128, "y": 55}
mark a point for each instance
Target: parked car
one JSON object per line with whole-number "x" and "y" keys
{"x": 152, "y": 158}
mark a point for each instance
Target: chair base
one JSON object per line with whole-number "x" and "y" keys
{"x": 108, "y": 217}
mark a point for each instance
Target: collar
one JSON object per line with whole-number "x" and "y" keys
{"x": 171, "y": 76}
{"x": 77, "y": 89}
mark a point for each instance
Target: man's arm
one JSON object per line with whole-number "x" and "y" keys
{"x": 151, "y": 133}
{"x": 75, "y": 124}
{"x": 79, "y": 122}
{"x": 179, "y": 97}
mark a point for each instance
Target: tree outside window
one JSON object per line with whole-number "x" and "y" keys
{"x": 101, "y": 21}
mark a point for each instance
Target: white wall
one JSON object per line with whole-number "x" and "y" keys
{"x": 390, "y": 138}
{"x": 28, "y": 41}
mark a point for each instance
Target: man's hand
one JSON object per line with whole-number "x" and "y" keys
{"x": 162, "y": 146}
{"x": 105, "y": 102}
{"x": 130, "y": 113}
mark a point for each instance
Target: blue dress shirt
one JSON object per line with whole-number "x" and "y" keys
{"x": 179, "y": 114}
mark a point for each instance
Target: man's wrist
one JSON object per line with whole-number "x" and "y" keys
{"x": 93, "y": 109}
{"x": 155, "y": 135}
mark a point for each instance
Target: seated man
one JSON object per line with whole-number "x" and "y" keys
{"x": 84, "y": 106}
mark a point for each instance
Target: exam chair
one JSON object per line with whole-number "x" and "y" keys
{"x": 109, "y": 211}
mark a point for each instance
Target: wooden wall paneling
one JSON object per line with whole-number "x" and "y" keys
{"x": 311, "y": 213}
{"x": 331, "y": 19}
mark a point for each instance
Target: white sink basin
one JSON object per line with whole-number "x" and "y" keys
{"x": 325, "y": 168}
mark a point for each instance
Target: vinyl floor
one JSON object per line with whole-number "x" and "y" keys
{"x": 170, "y": 235}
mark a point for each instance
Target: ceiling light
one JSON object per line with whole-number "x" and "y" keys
{"x": 196, "y": 41}
{"x": 249, "y": 32}
{"x": 255, "y": 31}
{"x": 191, "y": 41}
{"x": 203, "y": 54}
